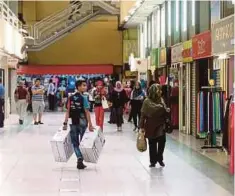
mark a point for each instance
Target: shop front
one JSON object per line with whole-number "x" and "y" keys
{"x": 223, "y": 57}
{"x": 177, "y": 82}
{"x": 210, "y": 97}
{"x": 188, "y": 101}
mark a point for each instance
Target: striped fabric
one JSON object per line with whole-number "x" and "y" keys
{"x": 37, "y": 97}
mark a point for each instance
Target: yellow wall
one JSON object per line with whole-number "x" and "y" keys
{"x": 125, "y": 7}
{"x": 97, "y": 42}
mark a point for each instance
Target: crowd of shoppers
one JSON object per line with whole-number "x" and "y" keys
{"x": 146, "y": 107}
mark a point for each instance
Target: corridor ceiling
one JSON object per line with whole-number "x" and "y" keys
{"x": 141, "y": 11}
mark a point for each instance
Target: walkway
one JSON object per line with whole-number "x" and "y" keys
{"x": 27, "y": 167}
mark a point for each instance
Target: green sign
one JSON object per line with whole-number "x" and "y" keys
{"x": 155, "y": 57}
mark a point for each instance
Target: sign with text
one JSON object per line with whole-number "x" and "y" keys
{"x": 223, "y": 35}
{"x": 176, "y": 53}
{"x": 202, "y": 45}
{"x": 163, "y": 56}
{"x": 187, "y": 52}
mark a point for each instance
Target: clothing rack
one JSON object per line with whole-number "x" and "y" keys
{"x": 211, "y": 104}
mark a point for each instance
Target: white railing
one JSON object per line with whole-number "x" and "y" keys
{"x": 7, "y": 15}
{"x": 55, "y": 25}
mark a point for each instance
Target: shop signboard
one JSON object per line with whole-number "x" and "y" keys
{"x": 130, "y": 74}
{"x": 176, "y": 53}
{"x": 162, "y": 57}
{"x": 187, "y": 51}
{"x": 202, "y": 45}
{"x": 223, "y": 35}
{"x": 155, "y": 57}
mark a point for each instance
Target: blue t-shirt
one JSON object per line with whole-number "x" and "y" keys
{"x": 2, "y": 91}
{"x": 86, "y": 104}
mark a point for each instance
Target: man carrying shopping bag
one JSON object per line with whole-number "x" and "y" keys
{"x": 78, "y": 111}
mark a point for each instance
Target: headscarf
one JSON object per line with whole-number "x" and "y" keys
{"x": 116, "y": 87}
{"x": 154, "y": 93}
{"x": 153, "y": 102}
{"x": 137, "y": 92}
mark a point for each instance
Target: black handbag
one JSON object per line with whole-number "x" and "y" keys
{"x": 168, "y": 126}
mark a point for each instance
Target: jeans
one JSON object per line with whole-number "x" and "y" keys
{"x": 156, "y": 149}
{"x": 76, "y": 133}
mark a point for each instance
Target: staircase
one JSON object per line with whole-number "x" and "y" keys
{"x": 58, "y": 25}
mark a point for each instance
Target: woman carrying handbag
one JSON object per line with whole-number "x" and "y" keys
{"x": 153, "y": 124}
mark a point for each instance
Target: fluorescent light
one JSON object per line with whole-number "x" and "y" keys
{"x": 169, "y": 17}
{"x": 177, "y": 15}
{"x": 185, "y": 15}
{"x": 163, "y": 25}
{"x": 193, "y": 12}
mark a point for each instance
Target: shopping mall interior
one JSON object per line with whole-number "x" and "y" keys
{"x": 117, "y": 98}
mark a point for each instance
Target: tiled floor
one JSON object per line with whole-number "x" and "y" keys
{"x": 27, "y": 167}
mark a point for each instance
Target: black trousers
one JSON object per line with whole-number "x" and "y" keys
{"x": 136, "y": 113}
{"x": 51, "y": 101}
{"x": 2, "y": 116}
{"x": 91, "y": 106}
{"x": 156, "y": 149}
{"x": 119, "y": 116}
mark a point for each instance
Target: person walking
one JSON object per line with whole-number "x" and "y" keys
{"x": 137, "y": 98}
{"x": 21, "y": 98}
{"x": 76, "y": 6}
{"x": 118, "y": 99}
{"x": 91, "y": 97}
{"x": 78, "y": 111}
{"x": 2, "y": 101}
{"x": 152, "y": 123}
{"x": 38, "y": 104}
{"x": 51, "y": 95}
{"x": 99, "y": 96}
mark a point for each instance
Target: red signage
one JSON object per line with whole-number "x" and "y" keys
{"x": 202, "y": 45}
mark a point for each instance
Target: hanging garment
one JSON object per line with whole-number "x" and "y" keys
{"x": 226, "y": 125}
{"x": 231, "y": 128}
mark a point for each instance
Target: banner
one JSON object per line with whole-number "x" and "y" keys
{"x": 202, "y": 45}
{"x": 163, "y": 57}
{"x": 176, "y": 53}
{"x": 223, "y": 36}
{"x": 187, "y": 51}
{"x": 129, "y": 47}
{"x": 155, "y": 57}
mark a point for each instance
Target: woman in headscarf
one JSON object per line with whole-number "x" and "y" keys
{"x": 118, "y": 100}
{"x": 99, "y": 95}
{"x": 152, "y": 122}
{"x": 137, "y": 98}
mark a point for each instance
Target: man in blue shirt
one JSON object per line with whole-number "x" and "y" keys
{"x": 78, "y": 110}
{"x": 2, "y": 95}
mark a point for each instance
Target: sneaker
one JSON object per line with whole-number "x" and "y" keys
{"x": 80, "y": 165}
{"x": 40, "y": 123}
{"x": 119, "y": 128}
{"x": 135, "y": 129}
{"x": 35, "y": 123}
{"x": 21, "y": 122}
{"x": 161, "y": 163}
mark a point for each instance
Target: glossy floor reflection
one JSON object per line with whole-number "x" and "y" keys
{"x": 27, "y": 167}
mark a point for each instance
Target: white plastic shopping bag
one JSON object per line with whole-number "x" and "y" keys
{"x": 105, "y": 104}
